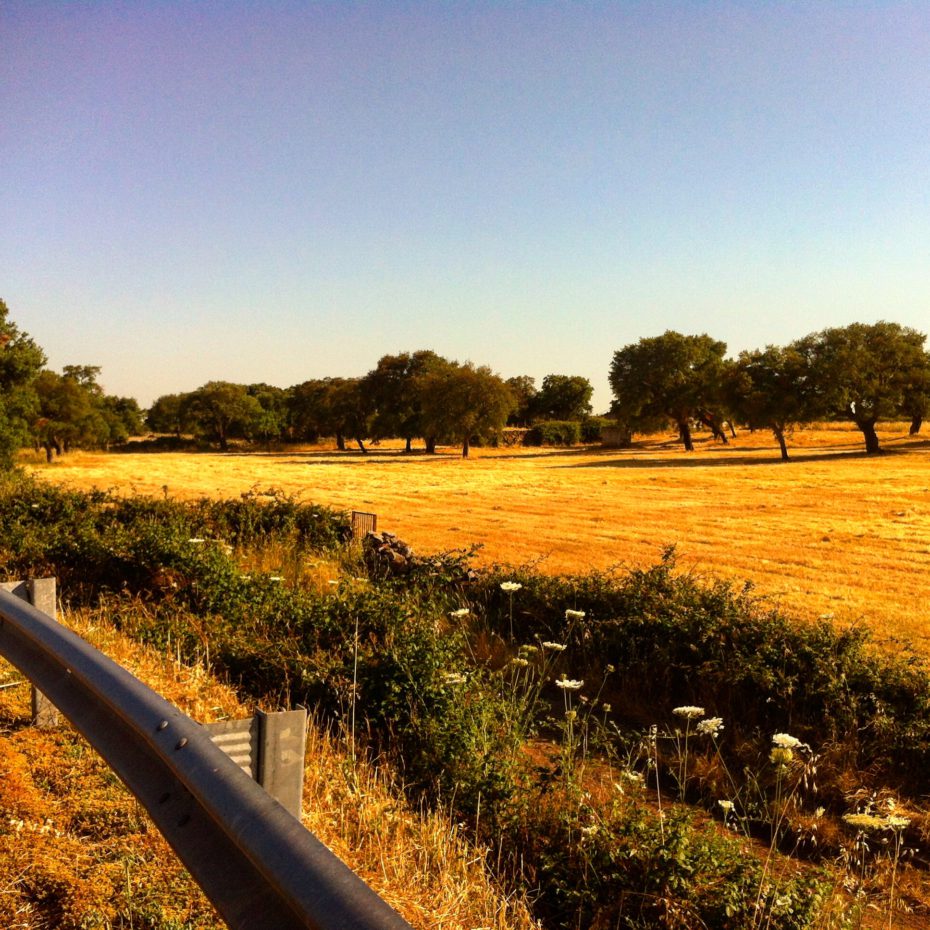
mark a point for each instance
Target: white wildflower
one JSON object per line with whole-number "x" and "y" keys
{"x": 896, "y": 822}
{"x": 510, "y": 586}
{"x": 786, "y": 741}
{"x": 460, "y": 613}
{"x": 726, "y": 806}
{"x": 555, "y": 647}
{"x": 574, "y": 615}
{"x": 276, "y": 578}
{"x": 864, "y": 821}
{"x": 689, "y": 711}
{"x": 196, "y": 540}
{"x": 711, "y": 726}
{"x": 568, "y": 684}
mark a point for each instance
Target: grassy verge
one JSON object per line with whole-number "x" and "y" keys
{"x": 648, "y": 689}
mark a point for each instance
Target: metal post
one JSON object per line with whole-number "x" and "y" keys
{"x": 41, "y": 593}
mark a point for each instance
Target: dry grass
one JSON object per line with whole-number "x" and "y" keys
{"x": 77, "y": 851}
{"x": 833, "y": 532}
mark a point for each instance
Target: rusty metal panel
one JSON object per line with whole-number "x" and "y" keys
{"x": 363, "y": 523}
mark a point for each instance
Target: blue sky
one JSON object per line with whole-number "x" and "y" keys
{"x": 278, "y": 191}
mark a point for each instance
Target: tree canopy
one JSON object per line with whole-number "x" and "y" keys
{"x": 20, "y": 362}
{"x": 562, "y": 397}
{"x": 867, "y": 372}
{"x": 464, "y": 402}
{"x": 669, "y": 377}
{"x": 771, "y": 389}
{"x": 393, "y": 390}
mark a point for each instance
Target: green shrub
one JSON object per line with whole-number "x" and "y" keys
{"x": 554, "y": 433}
{"x": 591, "y": 428}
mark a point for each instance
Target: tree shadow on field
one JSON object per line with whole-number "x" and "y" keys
{"x": 688, "y": 460}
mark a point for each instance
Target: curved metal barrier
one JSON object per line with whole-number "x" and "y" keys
{"x": 258, "y": 865}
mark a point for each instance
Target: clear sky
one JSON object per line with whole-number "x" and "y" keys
{"x": 275, "y": 191}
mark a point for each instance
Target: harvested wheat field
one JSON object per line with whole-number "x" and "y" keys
{"x": 832, "y": 533}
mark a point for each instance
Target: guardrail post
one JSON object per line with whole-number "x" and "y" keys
{"x": 42, "y": 594}
{"x": 281, "y": 760}
{"x": 270, "y": 747}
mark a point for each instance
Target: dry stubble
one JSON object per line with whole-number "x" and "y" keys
{"x": 832, "y": 532}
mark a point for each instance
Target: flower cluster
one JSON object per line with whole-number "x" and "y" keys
{"x": 711, "y": 726}
{"x": 510, "y": 586}
{"x": 785, "y": 741}
{"x": 568, "y": 684}
{"x": 689, "y": 712}
{"x": 574, "y": 615}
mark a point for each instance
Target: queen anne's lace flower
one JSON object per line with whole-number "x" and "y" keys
{"x": 555, "y": 647}
{"x": 574, "y": 615}
{"x": 510, "y": 586}
{"x": 568, "y": 684}
{"x": 689, "y": 711}
{"x": 711, "y": 726}
{"x": 786, "y": 741}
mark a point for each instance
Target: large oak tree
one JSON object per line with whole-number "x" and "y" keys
{"x": 671, "y": 377}
{"x": 866, "y": 372}
{"x": 464, "y": 402}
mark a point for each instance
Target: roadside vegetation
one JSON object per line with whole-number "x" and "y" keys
{"x": 630, "y": 749}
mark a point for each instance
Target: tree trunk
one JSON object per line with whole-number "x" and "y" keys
{"x": 732, "y": 428}
{"x": 684, "y": 430}
{"x": 465, "y": 448}
{"x": 340, "y": 442}
{"x": 780, "y": 436}
{"x": 430, "y": 445}
{"x": 49, "y": 452}
{"x": 361, "y": 445}
{"x": 916, "y": 423}
{"x": 871, "y": 437}
{"x": 409, "y": 444}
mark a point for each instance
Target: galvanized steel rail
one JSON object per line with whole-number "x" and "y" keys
{"x": 258, "y": 865}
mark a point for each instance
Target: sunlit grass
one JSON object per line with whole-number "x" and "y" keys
{"x": 833, "y": 532}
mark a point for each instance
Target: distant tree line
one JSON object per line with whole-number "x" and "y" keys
{"x": 410, "y": 396}
{"x": 861, "y": 373}
{"x": 51, "y": 411}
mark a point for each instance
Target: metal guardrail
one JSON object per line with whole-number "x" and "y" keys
{"x": 258, "y": 865}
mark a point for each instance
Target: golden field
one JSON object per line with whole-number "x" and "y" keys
{"x": 833, "y": 532}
